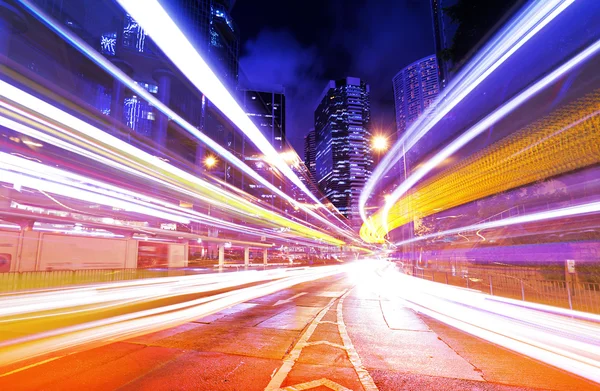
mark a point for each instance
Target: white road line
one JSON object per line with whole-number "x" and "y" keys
{"x": 335, "y": 345}
{"x": 316, "y": 383}
{"x": 279, "y": 302}
{"x": 290, "y": 360}
{"x": 327, "y": 322}
{"x": 32, "y": 365}
{"x": 365, "y": 378}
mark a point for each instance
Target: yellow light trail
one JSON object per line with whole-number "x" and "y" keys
{"x": 566, "y": 140}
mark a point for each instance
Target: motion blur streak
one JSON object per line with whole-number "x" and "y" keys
{"x": 508, "y": 41}
{"x": 177, "y": 47}
{"x": 565, "y": 339}
{"x": 131, "y": 84}
{"x": 484, "y": 124}
{"x": 564, "y": 141}
{"x": 120, "y": 151}
{"x": 135, "y": 322}
{"x": 593, "y": 207}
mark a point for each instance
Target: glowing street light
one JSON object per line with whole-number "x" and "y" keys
{"x": 379, "y": 143}
{"x": 210, "y": 161}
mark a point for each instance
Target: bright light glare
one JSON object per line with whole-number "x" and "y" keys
{"x": 210, "y": 161}
{"x": 379, "y": 143}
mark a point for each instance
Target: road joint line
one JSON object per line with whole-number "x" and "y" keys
{"x": 294, "y": 354}
{"x": 363, "y": 375}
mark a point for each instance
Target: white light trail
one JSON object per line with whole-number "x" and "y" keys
{"x": 32, "y": 305}
{"x": 156, "y": 165}
{"x": 592, "y": 207}
{"x": 494, "y": 54}
{"x": 247, "y": 123}
{"x": 484, "y": 124}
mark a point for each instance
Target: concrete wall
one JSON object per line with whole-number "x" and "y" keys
{"x": 30, "y": 251}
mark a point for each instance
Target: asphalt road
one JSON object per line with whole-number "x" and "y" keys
{"x": 336, "y": 333}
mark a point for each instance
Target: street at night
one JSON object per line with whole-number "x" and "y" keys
{"x": 265, "y": 195}
{"x": 334, "y": 333}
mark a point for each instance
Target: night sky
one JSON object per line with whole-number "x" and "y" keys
{"x": 303, "y": 44}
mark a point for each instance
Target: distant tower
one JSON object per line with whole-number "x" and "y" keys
{"x": 343, "y": 158}
{"x": 310, "y": 152}
{"x": 415, "y": 88}
{"x": 443, "y": 31}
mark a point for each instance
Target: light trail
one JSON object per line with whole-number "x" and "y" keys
{"x": 125, "y": 153}
{"x": 565, "y": 140}
{"x": 562, "y": 338}
{"x": 484, "y": 124}
{"x": 579, "y": 210}
{"x": 516, "y": 34}
{"x": 141, "y": 321}
{"x": 132, "y": 85}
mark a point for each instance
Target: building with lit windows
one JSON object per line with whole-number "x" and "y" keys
{"x": 266, "y": 109}
{"x": 416, "y": 87}
{"x": 443, "y": 32}
{"x": 343, "y": 158}
{"x": 310, "y": 150}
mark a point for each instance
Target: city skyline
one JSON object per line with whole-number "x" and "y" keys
{"x": 343, "y": 158}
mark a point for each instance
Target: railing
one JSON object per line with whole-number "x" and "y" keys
{"x": 18, "y": 281}
{"x": 580, "y": 296}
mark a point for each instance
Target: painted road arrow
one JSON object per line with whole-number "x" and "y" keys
{"x": 279, "y": 302}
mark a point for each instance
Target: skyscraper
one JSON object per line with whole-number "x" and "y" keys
{"x": 415, "y": 88}
{"x": 211, "y": 29}
{"x": 267, "y": 110}
{"x": 343, "y": 150}
{"x": 443, "y": 31}
{"x": 310, "y": 151}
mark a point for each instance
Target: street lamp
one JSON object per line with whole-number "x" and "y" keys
{"x": 379, "y": 143}
{"x": 210, "y": 161}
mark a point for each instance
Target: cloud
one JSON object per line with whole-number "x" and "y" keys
{"x": 381, "y": 38}
{"x": 275, "y": 57}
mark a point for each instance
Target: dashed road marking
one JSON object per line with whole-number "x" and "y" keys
{"x": 279, "y": 302}
{"x": 365, "y": 378}
{"x": 316, "y": 383}
{"x": 335, "y": 345}
{"x": 31, "y": 366}
{"x": 290, "y": 360}
{"x": 288, "y": 363}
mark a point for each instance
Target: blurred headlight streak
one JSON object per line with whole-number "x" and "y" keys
{"x": 563, "y": 338}
{"x": 518, "y": 32}
{"x": 211, "y": 87}
{"x": 470, "y": 134}
{"x": 137, "y": 322}
{"x": 125, "y": 154}
{"x": 579, "y": 210}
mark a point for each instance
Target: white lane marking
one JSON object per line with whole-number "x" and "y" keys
{"x": 279, "y": 302}
{"x": 32, "y": 365}
{"x": 365, "y": 378}
{"x": 335, "y": 345}
{"x": 335, "y": 294}
{"x": 316, "y": 383}
{"x": 327, "y": 322}
{"x": 290, "y": 359}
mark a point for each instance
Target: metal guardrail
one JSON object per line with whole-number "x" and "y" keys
{"x": 18, "y": 281}
{"x": 580, "y": 296}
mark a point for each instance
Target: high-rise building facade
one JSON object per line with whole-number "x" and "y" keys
{"x": 343, "y": 150}
{"x": 415, "y": 88}
{"x": 443, "y": 31}
{"x": 210, "y": 27}
{"x": 266, "y": 109}
{"x": 310, "y": 152}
